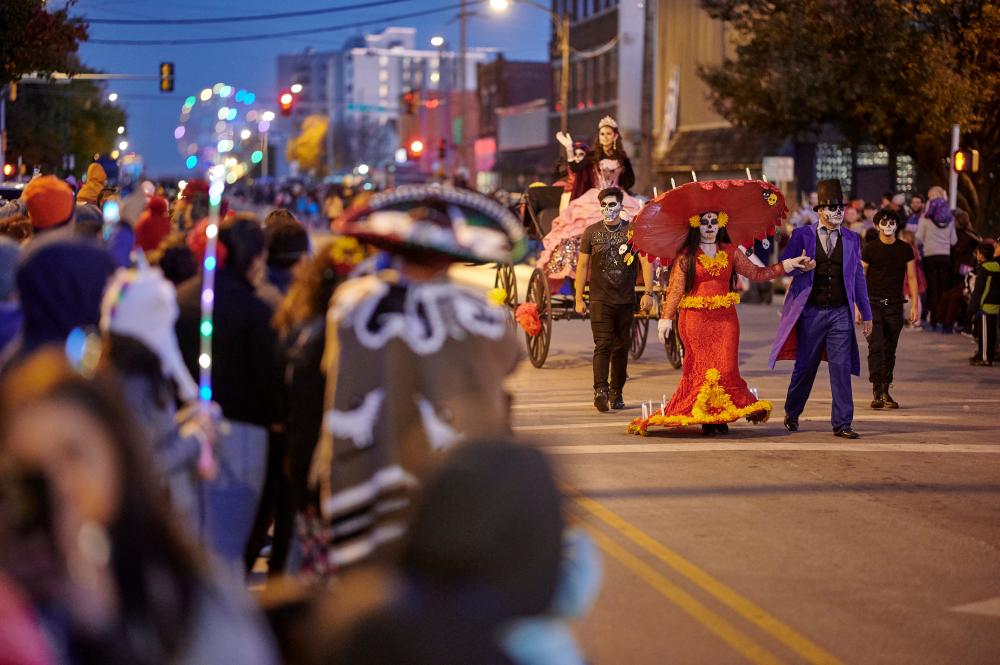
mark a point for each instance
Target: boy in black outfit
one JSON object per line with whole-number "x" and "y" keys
{"x": 985, "y": 305}
{"x": 887, "y": 261}
{"x": 606, "y": 252}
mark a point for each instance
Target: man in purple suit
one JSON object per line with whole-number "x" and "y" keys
{"x": 817, "y": 320}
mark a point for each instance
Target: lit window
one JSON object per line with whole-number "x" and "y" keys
{"x": 383, "y": 75}
{"x": 383, "y": 91}
{"x": 383, "y": 60}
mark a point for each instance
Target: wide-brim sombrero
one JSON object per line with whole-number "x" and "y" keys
{"x": 753, "y": 207}
{"x": 429, "y": 219}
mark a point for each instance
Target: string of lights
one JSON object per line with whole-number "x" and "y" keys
{"x": 240, "y": 19}
{"x": 272, "y": 35}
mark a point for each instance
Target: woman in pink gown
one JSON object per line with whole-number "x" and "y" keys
{"x": 607, "y": 166}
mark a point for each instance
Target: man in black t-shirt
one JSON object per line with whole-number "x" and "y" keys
{"x": 886, "y": 262}
{"x": 606, "y": 251}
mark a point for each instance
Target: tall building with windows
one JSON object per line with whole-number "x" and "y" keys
{"x": 361, "y": 84}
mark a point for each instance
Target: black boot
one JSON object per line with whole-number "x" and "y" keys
{"x": 708, "y": 430}
{"x": 722, "y": 429}
{"x": 601, "y": 399}
{"x": 879, "y": 401}
{"x": 887, "y": 399}
{"x": 616, "y": 399}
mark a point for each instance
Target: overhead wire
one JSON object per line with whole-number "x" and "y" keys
{"x": 272, "y": 35}
{"x": 240, "y": 19}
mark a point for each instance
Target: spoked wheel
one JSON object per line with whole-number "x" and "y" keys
{"x": 640, "y": 333}
{"x": 675, "y": 349}
{"x": 538, "y": 293}
{"x": 506, "y": 279}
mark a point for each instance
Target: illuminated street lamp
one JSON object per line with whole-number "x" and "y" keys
{"x": 561, "y": 24}
{"x": 123, "y": 145}
{"x": 437, "y": 41}
{"x": 296, "y": 88}
{"x": 121, "y": 130}
{"x": 113, "y": 97}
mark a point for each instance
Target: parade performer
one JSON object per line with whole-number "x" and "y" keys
{"x": 818, "y": 315}
{"x": 414, "y": 363}
{"x": 607, "y": 166}
{"x": 887, "y": 262}
{"x": 575, "y": 154}
{"x": 608, "y": 262}
{"x": 699, "y": 226}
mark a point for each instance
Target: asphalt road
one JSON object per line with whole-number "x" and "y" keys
{"x": 773, "y": 547}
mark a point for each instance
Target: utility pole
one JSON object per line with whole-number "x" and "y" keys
{"x": 956, "y": 135}
{"x": 462, "y": 47}
{"x": 3, "y": 131}
{"x": 563, "y": 25}
{"x": 644, "y": 182}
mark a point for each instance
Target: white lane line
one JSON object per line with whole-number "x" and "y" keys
{"x": 668, "y": 446}
{"x": 989, "y": 607}
{"x": 909, "y": 418}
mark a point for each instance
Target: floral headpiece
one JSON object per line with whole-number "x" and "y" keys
{"x": 695, "y": 220}
{"x": 607, "y": 121}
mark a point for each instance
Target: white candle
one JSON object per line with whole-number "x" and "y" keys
{"x": 655, "y": 193}
{"x": 749, "y": 177}
{"x": 694, "y": 176}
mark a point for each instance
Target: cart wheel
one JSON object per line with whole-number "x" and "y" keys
{"x": 675, "y": 349}
{"x": 640, "y": 333}
{"x": 506, "y": 279}
{"x": 538, "y": 293}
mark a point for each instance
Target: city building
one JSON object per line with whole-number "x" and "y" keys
{"x": 359, "y": 86}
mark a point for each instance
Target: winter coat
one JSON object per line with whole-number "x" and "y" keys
{"x": 96, "y": 180}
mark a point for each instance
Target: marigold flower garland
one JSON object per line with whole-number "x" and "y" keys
{"x": 710, "y": 302}
{"x": 714, "y": 265}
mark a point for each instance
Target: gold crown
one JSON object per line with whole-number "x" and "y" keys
{"x": 607, "y": 121}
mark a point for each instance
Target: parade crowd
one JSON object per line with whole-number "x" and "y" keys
{"x": 143, "y": 478}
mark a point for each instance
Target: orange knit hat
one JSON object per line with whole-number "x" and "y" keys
{"x": 49, "y": 200}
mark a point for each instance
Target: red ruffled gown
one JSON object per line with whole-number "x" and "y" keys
{"x": 711, "y": 390}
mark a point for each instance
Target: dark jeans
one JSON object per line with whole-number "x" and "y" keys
{"x": 612, "y": 328}
{"x": 887, "y": 323}
{"x": 986, "y": 336}
{"x": 937, "y": 270}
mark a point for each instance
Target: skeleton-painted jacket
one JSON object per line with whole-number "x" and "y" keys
{"x": 412, "y": 369}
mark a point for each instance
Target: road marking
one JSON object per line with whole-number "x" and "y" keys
{"x": 672, "y": 446}
{"x": 989, "y": 607}
{"x": 753, "y": 613}
{"x": 569, "y": 426}
{"x": 697, "y": 610}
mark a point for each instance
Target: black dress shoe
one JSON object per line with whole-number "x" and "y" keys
{"x": 847, "y": 433}
{"x": 792, "y": 423}
{"x": 601, "y": 400}
{"x": 616, "y": 399}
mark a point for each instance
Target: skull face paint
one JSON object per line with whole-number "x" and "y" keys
{"x": 708, "y": 227}
{"x": 831, "y": 215}
{"x": 887, "y": 227}
{"x": 611, "y": 209}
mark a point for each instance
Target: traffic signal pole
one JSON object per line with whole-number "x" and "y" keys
{"x": 956, "y": 135}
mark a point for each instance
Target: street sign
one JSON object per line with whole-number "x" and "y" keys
{"x": 779, "y": 169}
{"x": 365, "y": 108}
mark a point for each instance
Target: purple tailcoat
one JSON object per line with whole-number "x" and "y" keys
{"x": 804, "y": 238}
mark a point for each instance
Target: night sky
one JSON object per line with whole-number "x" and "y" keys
{"x": 522, "y": 33}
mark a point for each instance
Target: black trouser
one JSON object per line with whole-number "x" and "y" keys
{"x": 612, "y": 328}
{"x": 986, "y": 336}
{"x": 937, "y": 270}
{"x": 887, "y": 323}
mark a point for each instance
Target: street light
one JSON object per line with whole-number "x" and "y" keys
{"x": 296, "y": 88}
{"x": 121, "y": 130}
{"x": 437, "y": 41}
{"x": 561, "y": 24}
{"x": 113, "y": 97}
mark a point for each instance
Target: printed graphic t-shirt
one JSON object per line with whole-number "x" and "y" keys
{"x": 613, "y": 264}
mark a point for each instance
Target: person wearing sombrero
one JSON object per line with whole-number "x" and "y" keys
{"x": 700, "y": 226}
{"x": 817, "y": 319}
{"x": 414, "y": 365}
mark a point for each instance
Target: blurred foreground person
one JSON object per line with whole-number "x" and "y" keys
{"x": 84, "y": 536}
{"x": 242, "y": 379}
{"x": 414, "y": 365}
{"x": 488, "y": 574}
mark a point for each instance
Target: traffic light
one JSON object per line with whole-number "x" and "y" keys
{"x": 416, "y": 148}
{"x": 286, "y": 101}
{"x": 965, "y": 160}
{"x": 409, "y": 103}
{"x": 166, "y": 77}
{"x": 8, "y": 170}
{"x": 442, "y": 149}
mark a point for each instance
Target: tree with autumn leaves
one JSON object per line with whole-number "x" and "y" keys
{"x": 894, "y": 72}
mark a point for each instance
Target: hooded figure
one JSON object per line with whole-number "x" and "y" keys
{"x": 484, "y": 552}
{"x": 61, "y": 281}
{"x": 153, "y": 225}
{"x": 96, "y": 181}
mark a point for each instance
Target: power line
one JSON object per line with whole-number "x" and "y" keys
{"x": 270, "y": 35}
{"x": 239, "y": 19}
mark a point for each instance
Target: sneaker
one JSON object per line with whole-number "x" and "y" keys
{"x": 792, "y": 423}
{"x": 601, "y": 399}
{"x": 847, "y": 433}
{"x": 877, "y": 401}
{"x": 887, "y": 399}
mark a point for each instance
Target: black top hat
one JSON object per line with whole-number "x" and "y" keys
{"x": 829, "y": 193}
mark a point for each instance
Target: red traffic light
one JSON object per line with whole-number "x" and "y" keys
{"x": 965, "y": 161}
{"x": 416, "y": 147}
{"x": 286, "y": 101}
{"x": 8, "y": 170}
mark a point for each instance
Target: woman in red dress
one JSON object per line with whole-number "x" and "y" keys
{"x": 711, "y": 392}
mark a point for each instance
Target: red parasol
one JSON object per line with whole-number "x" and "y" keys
{"x": 754, "y": 208}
